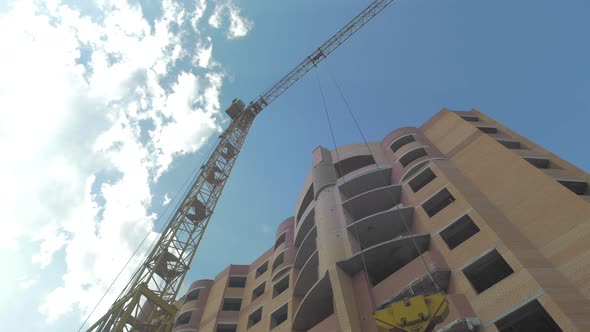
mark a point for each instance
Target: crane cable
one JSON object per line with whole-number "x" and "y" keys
{"x": 191, "y": 176}
{"x": 404, "y": 221}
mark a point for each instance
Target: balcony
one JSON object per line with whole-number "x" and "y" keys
{"x": 307, "y": 248}
{"x": 315, "y": 307}
{"x": 305, "y": 224}
{"x": 382, "y": 226}
{"x": 376, "y": 177}
{"x": 308, "y": 276}
{"x": 372, "y": 201}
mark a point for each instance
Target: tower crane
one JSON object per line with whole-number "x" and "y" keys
{"x": 147, "y": 303}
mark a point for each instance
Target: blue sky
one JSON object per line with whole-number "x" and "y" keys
{"x": 107, "y": 107}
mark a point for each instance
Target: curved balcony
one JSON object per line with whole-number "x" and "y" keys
{"x": 304, "y": 226}
{"x": 372, "y": 201}
{"x": 308, "y": 276}
{"x": 374, "y": 177}
{"x": 307, "y": 247}
{"x": 316, "y": 306}
{"x": 386, "y": 258}
{"x": 382, "y": 226}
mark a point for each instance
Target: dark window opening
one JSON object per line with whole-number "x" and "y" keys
{"x": 538, "y": 162}
{"x": 577, "y": 187}
{"x": 488, "y": 130}
{"x": 305, "y": 203}
{"x": 438, "y": 202}
{"x": 422, "y": 179}
{"x": 351, "y": 164}
{"x": 280, "y": 287}
{"x": 459, "y": 232}
{"x": 261, "y": 269}
{"x": 470, "y": 118}
{"x": 411, "y": 156}
{"x": 193, "y": 295}
{"x": 280, "y": 240}
{"x": 224, "y": 327}
{"x": 511, "y": 144}
{"x": 184, "y": 318}
{"x": 231, "y": 304}
{"x": 279, "y": 316}
{"x": 255, "y": 317}
{"x": 531, "y": 317}
{"x": 278, "y": 261}
{"x": 401, "y": 142}
{"x": 258, "y": 291}
{"x": 487, "y": 271}
{"x": 237, "y": 282}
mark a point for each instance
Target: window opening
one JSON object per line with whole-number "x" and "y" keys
{"x": 255, "y": 317}
{"x": 421, "y": 180}
{"x": 470, "y": 118}
{"x": 279, "y": 316}
{"x": 237, "y": 282}
{"x": 510, "y": 144}
{"x": 224, "y": 327}
{"x": 406, "y": 159}
{"x": 351, "y": 164}
{"x": 488, "y": 130}
{"x": 459, "y": 231}
{"x": 278, "y": 261}
{"x": 531, "y": 317}
{"x": 258, "y": 291}
{"x": 280, "y": 287}
{"x": 438, "y": 202}
{"x": 538, "y": 162}
{"x": 487, "y": 271}
{"x": 280, "y": 240}
{"x": 231, "y": 304}
{"x": 261, "y": 269}
{"x": 577, "y": 187}
{"x": 397, "y": 144}
{"x": 184, "y": 318}
{"x": 193, "y": 295}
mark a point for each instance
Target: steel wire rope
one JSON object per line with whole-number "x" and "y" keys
{"x": 378, "y": 167}
{"x": 341, "y": 172}
{"x": 192, "y": 176}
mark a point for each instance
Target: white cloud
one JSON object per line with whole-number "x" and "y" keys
{"x": 74, "y": 93}
{"x": 166, "y": 200}
{"x": 239, "y": 26}
{"x": 26, "y": 282}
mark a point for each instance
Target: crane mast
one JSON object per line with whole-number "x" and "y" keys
{"x": 147, "y": 303}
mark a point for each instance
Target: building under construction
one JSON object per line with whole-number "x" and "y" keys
{"x": 461, "y": 205}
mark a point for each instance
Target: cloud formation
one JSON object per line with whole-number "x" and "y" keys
{"x": 95, "y": 104}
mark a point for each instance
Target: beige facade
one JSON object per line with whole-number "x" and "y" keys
{"x": 461, "y": 204}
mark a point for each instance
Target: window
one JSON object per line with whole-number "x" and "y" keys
{"x": 470, "y": 118}
{"x": 279, "y": 316}
{"x": 255, "y": 317}
{"x": 396, "y": 145}
{"x": 351, "y": 164}
{"x": 280, "y": 287}
{"x": 231, "y": 304}
{"x": 305, "y": 203}
{"x": 487, "y": 271}
{"x": 488, "y": 130}
{"x": 280, "y": 240}
{"x": 278, "y": 261}
{"x": 459, "y": 231}
{"x": 538, "y": 162}
{"x": 578, "y": 187}
{"x": 225, "y": 327}
{"x": 411, "y": 156}
{"x": 531, "y": 317}
{"x": 438, "y": 202}
{"x": 193, "y": 295}
{"x": 258, "y": 291}
{"x": 422, "y": 179}
{"x": 184, "y": 318}
{"x": 510, "y": 144}
{"x": 261, "y": 269}
{"x": 237, "y": 282}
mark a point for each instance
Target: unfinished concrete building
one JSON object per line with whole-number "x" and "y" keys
{"x": 462, "y": 204}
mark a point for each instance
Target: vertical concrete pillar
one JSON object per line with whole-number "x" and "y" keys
{"x": 333, "y": 242}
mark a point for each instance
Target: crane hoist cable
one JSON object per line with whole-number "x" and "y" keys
{"x": 148, "y": 301}
{"x": 418, "y": 313}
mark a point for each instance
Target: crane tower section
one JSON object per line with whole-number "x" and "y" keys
{"x": 146, "y": 304}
